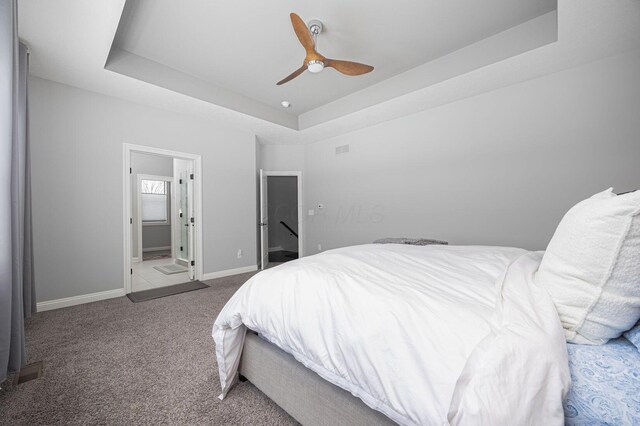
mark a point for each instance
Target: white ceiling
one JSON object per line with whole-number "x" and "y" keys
{"x": 246, "y": 47}
{"x": 71, "y": 39}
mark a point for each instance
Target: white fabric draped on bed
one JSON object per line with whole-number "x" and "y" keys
{"x": 426, "y": 335}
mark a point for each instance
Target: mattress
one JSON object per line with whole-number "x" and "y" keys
{"x": 606, "y": 384}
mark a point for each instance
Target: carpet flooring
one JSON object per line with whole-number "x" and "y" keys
{"x": 154, "y": 255}
{"x": 282, "y": 256}
{"x": 116, "y": 362}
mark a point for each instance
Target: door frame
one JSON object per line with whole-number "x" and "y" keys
{"x": 171, "y": 219}
{"x": 298, "y": 175}
{"x": 127, "y": 210}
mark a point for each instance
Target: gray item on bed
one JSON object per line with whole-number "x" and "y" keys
{"x": 412, "y": 241}
{"x": 301, "y": 392}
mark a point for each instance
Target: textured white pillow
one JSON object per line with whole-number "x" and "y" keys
{"x": 591, "y": 267}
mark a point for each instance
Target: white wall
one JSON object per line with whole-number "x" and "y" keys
{"x": 152, "y": 235}
{"x": 282, "y": 157}
{"x": 78, "y": 235}
{"x": 499, "y": 169}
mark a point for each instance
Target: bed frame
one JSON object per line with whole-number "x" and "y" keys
{"x": 303, "y": 394}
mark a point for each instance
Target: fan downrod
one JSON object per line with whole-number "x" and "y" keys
{"x": 315, "y": 27}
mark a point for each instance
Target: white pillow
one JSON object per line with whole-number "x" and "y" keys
{"x": 591, "y": 267}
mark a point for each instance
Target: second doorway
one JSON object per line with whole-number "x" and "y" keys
{"x": 280, "y": 214}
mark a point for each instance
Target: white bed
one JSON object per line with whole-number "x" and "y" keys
{"x": 425, "y": 335}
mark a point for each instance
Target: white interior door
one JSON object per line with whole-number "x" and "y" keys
{"x": 264, "y": 224}
{"x": 191, "y": 223}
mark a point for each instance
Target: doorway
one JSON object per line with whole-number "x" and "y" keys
{"x": 281, "y": 217}
{"x": 162, "y": 207}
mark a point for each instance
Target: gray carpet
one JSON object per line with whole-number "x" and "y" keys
{"x": 155, "y": 255}
{"x": 120, "y": 363}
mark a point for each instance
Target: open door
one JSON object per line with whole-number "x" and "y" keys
{"x": 186, "y": 218}
{"x": 264, "y": 226}
{"x": 191, "y": 224}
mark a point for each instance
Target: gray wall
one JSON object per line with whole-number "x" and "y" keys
{"x": 282, "y": 196}
{"x": 78, "y": 235}
{"x": 282, "y": 157}
{"x": 156, "y": 236}
{"x": 152, "y": 235}
{"x": 499, "y": 168}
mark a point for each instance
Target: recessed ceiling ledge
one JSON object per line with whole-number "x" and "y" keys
{"x": 135, "y": 66}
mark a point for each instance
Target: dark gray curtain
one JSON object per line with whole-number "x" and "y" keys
{"x": 17, "y": 298}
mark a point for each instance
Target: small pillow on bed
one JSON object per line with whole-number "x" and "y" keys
{"x": 410, "y": 241}
{"x": 633, "y": 336}
{"x": 591, "y": 267}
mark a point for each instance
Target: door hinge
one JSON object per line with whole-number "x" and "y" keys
{"x": 131, "y": 271}
{"x": 181, "y": 249}
{"x": 193, "y": 220}
{"x": 130, "y": 170}
{"x": 180, "y": 181}
{"x": 131, "y": 220}
{"x": 191, "y": 176}
{"x": 193, "y": 263}
{"x": 180, "y": 214}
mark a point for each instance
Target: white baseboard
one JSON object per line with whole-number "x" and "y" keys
{"x": 135, "y": 259}
{"x": 119, "y": 292}
{"x": 144, "y": 250}
{"x": 278, "y": 248}
{"x": 228, "y": 272}
{"x": 78, "y": 300}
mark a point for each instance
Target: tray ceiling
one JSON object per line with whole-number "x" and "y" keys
{"x": 233, "y": 53}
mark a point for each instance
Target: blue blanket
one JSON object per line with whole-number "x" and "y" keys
{"x": 606, "y": 384}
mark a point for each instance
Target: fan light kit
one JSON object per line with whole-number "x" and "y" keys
{"x": 315, "y": 66}
{"x": 313, "y": 61}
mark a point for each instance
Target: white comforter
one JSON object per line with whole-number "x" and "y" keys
{"x": 426, "y": 335}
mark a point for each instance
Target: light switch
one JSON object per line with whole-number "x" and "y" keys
{"x": 312, "y": 212}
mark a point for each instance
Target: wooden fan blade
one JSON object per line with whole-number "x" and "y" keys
{"x": 302, "y": 32}
{"x": 293, "y": 75}
{"x": 348, "y": 67}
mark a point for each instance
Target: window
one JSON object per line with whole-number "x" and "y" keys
{"x": 154, "y": 201}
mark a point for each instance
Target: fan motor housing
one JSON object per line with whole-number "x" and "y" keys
{"x": 315, "y": 27}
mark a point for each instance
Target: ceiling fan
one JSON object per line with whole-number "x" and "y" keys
{"x": 315, "y": 62}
